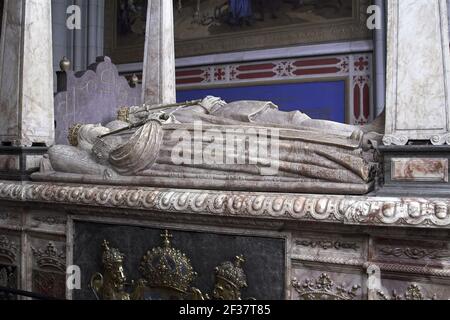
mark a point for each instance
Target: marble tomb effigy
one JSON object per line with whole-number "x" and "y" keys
{"x": 307, "y": 155}
{"x": 114, "y": 207}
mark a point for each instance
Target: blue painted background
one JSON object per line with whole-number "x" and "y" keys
{"x": 319, "y": 100}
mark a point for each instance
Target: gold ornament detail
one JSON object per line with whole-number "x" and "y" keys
{"x": 111, "y": 284}
{"x": 230, "y": 280}
{"x": 167, "y": 267}
{"x": 167, "y": 274}
{"x": 73, "y": 134}
{"x": 323, "y": 288}
{"x": 124, "y": 114}
{"x": 65, "y": 64}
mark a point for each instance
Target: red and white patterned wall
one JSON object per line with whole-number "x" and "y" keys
{"x": 356, "y": 69}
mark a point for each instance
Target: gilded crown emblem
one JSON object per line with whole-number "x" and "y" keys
{"x": 233, "y": 273}
{"x": 124, "y": 114}
{"x": 166, "y": 273}
{"x": 8, "y": 249}
{"x": 167, "y": 267}
{"x": 111, "y": 257}
{"x": 50, "y": 257}
{"x": 73, "y": 134}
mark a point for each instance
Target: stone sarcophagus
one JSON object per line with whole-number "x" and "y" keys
{"x": 295, "y": 246}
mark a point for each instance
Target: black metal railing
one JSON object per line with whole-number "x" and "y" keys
{"x": 8, "y": 294}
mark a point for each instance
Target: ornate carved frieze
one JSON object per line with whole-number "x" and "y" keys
{"x": 323, "y": 288}
{"x": 337, "y": 209}
{"x": 415, "y": 253}
{"x": 402, "y": 140}
{"x": 328, "y": 244}
{"x": 51, "y": 220}
{"x": 413, "y": 293}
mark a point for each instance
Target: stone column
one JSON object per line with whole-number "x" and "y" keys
{"x": 26, "y": 87}
{"x": 26, "y": 74}
{"x": 159, "y": 54}
{"x": 418, "y": 72}
{"x": 416, "y": 152}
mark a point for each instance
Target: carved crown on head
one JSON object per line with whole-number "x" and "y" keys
{"x": 73, "y": 134}
{"x": 112, "y": 257}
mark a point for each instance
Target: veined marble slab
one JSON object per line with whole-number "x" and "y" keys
{"x": 418, "y": 72}
{"x": 26, "y": 74}
{"x": 159, "y": 55}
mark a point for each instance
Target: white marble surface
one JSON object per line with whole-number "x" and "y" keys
{"x": 26, "y": 72}
{"x": 159, "y": 54}
{"x": 418, "y": 72}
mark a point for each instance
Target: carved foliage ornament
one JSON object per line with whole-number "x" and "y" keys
{"x": 413, "y": 293}
{"x": 416, "y": 253}
{"x": 324, "y": 288}
{"x": 167, "y": 274}
{"x": 51, "y": 220}
{"x": 328, "y": 244}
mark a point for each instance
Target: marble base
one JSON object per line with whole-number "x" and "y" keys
{"x": 416, "y": 171}
{"x": 418, "y": 72}
{"x": 372, "y": 247}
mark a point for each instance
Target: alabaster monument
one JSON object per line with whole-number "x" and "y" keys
{"x": 213, "y": 144}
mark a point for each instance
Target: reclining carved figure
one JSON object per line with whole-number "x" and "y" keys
{"x": 188, "y": 146}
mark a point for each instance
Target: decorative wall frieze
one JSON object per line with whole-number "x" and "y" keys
{"x": 51, "y": 220}
{"x": 414, "y": 269}
{"x": 345, "y": 261}
{"x": 351, "y": 210}
{"x": 415, "y": 253}
{"x": 328, "y": 244}
{"x": 413, "y": 293}
{"x": 356, "y": 69}
{"x": 324, "y": 288}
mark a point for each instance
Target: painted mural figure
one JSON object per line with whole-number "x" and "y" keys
{"x": 272, "y": 6}
{"x": 241, "y": 12}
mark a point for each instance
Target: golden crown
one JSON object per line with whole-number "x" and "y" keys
{"x": 233, "y": 273}
{"x": 167, "y": 267}
{"x": 111, "y": 256}
{"x": 73, "y": 134}
{"x": 124, "y": 114}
